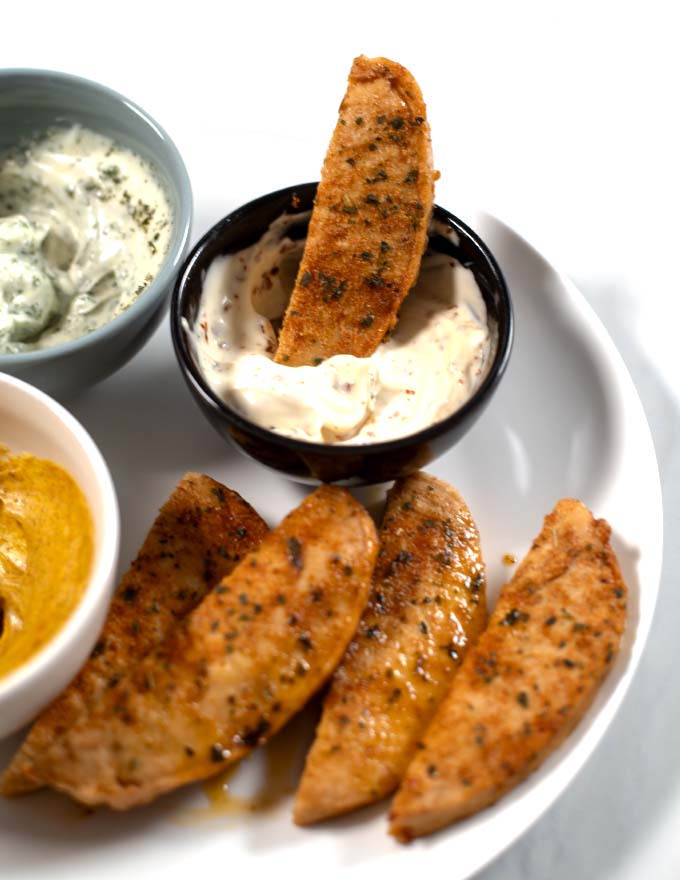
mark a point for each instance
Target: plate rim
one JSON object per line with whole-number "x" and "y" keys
{"x": 574, "y": 759}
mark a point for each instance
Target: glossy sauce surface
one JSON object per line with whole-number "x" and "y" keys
{"x": 46, "y": 551}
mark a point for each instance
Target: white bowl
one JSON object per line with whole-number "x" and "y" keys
{"x": 30, "y": 421}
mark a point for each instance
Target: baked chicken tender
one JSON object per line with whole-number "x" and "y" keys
{"x": 521, "y": 690}
{"x": 368, "y": 229}
{"x": 200, "y": 534}
{"x": 427, "y": 606}
{"x": 237, "y": 668}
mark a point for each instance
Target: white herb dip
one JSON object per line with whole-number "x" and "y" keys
{"x": 426, "y": 369}
{"x": 84, "y": 227}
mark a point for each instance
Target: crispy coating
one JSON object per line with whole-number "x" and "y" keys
{"x": 525, "y": 685}
{"x": 237, "y": 668}
{"x": 368, "y": 228}
{"x": 199, "y": 536}
{"x": 427, "y": 605}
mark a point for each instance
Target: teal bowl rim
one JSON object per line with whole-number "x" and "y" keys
{"x": 164, "y": 279}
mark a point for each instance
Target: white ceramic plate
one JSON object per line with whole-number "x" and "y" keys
{"x": 566, "y": 422}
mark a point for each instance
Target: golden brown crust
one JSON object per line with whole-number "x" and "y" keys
{"x": 368, "y": 228}
{"x": 238, "y": 667}
{"x": 200, "y": 534}
{"x": 427, "y": 605}
{"x": 527, "y": 682}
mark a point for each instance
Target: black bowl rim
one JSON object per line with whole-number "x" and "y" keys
{"x": 197, "y": 382}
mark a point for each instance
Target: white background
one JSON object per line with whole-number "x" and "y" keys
{"x": 561, "y": 119}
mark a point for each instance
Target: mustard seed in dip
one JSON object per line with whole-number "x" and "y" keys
{"x": 432, "y": 362}
{"x": 84, "y": 228}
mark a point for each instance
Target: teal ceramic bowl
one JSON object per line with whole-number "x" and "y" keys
{"x": 31, "y": 101}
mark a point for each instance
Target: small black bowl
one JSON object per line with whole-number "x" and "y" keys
{"x": 316, "y": 462}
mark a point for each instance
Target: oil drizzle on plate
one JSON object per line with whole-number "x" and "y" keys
{"x": 268, "y": 776}
{"x": 277, "y": 780}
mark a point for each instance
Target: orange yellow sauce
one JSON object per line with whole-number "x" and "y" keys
{"x": 46, "y": 552}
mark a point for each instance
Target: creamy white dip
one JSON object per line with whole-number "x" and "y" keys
{"x": 427, "y": 368}
{"x": 84, "y": 227}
